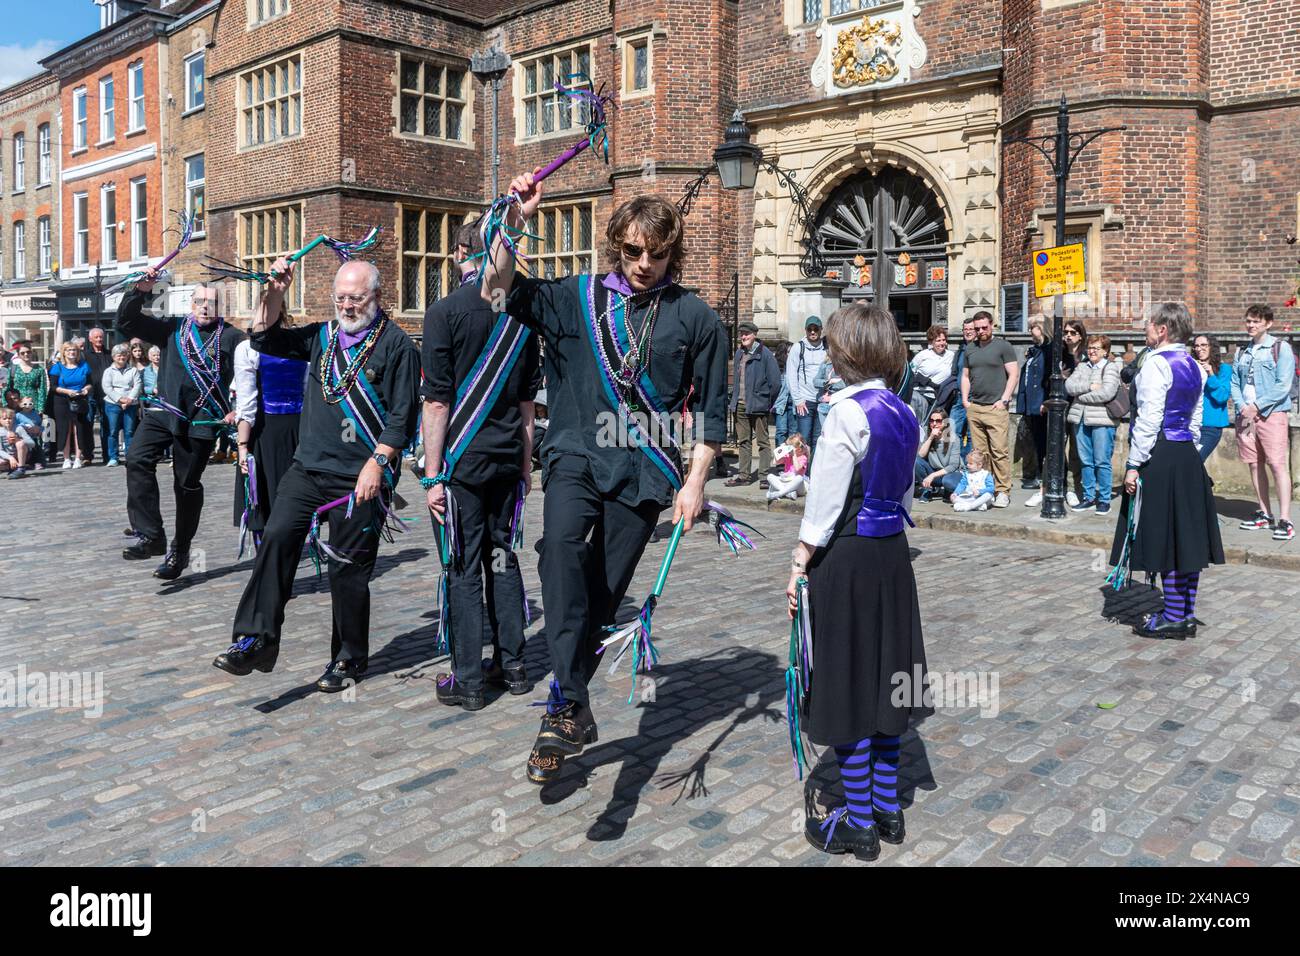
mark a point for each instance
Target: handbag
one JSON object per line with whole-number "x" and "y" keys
{"x": 1118, "y": 407}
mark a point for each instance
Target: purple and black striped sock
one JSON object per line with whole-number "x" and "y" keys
{"x": 855, "y": 772}
{"x": 1180, "y": 594}
{"x": 884, "y": 773}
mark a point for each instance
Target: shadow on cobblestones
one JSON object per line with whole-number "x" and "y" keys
{"x": 824, "y": 791}
{"x": 734, "y": 686}
{"x": 1129, "y": 606}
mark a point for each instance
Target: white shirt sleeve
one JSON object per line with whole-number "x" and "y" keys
{"x": 842, "y": 444}
{"x": 245, "y": 383}
{"x": 1198, "y": 411}
{"x": 1153, "y": 383}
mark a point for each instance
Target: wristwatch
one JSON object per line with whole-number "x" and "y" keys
{"x": 380, "y": 459}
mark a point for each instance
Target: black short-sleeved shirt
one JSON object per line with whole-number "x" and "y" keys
{"x": 323, "y": 438}
{"x": 174, "y": 383}
{"x": 688, "y": 352}
{"x": 988, "y": 374}
{"x": 456, "y": 331}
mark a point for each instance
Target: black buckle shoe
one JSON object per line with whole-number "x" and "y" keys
{"x": 144, "y": 549}
{"x": 567, "y": 731}
{"x": 1157, "y": 625}
{"x": 173, "y": 565}
{"x": 451, "y": 692}
{"x": 543, "y": 768}
{"x": 248, "y": 654}
{"x": 340, "y": 674}
{"x": 514, "y": 679}
{"x": 834, "y": 835}
{"x": 889, "y": 826}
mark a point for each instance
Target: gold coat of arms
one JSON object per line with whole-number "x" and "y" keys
{"x": 866, "y": 53}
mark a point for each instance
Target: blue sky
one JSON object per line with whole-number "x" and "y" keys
{"x": 31, "y": 29}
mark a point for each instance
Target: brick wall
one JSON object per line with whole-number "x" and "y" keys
{"x": 187, "y": 135}
{"x": 24, "y": 108}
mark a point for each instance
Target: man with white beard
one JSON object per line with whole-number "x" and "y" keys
{"x": 360, "y": 411}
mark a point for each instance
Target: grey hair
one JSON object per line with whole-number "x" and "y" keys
{"x": 1036, "y": 320}
{"x": 121, "y": 348}
{"x": 1175, "y": 317}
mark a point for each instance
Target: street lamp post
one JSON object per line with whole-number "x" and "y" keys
{"x": 1061, "y": 150}
{"x": 489, "y": 67}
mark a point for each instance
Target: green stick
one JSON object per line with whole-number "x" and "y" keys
{"x": 307, "y": 248}
{"x": 678, "y": 528}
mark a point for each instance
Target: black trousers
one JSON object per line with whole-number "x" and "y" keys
{"x": 486, "y": 567}
{"x": 1038, "y": 432}
{"x": 261, "y": 609}
{"x": 583, "y": 582}
{"x": 273, "y": 444}
{"x": 189, "y": 459}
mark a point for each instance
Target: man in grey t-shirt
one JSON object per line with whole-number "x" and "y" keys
{"x": 988, "y": 380}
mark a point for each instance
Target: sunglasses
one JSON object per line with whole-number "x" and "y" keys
{"x": 936, "y": 421}
{"x": 632, "y": 252}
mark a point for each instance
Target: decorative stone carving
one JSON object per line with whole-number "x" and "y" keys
{"x": 869, "y": 49}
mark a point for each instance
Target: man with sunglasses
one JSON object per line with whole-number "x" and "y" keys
{"x": 636, "y": 382}
{"x": 198, "y": 363}
{"x": 359, "y": 411}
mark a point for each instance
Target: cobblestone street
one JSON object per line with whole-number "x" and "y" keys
{"x": 1195, "y": 762}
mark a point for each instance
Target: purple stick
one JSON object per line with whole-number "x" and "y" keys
{"x": 560, "y": 160}
{"x": 333, "y": 504}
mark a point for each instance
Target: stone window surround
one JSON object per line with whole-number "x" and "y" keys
{"x": 1091, "y": 221}
{"x": 542, "y": 252}
{"x": 190, "y": 110}
{"x": 518, "y": 69}
{"x": 251, "y": 21}
{"x": 242, "y": 108}
{"x": 626, "y": 41}
{"x": 261, "y": 259}
{"x": 467, "y": 100}
{"x": 452, "y": 217}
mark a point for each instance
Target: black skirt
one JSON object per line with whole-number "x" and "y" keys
{"x": 273, "y": 444}
{"x": 1178, "y": 527}
{"x": 866, "y": 624}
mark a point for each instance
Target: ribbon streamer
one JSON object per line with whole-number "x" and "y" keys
{"x": 1122, "y": 572}
{"x": 343, "y": 249}
{"x": 187, "y": 233}
{"x": 250, "y": 505}
{"x": 729, "y": 528}
{"x": 798, "y": 674}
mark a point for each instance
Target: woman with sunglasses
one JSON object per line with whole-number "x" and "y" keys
{"x": 1218, "y": 389}
{"x": 938, "y": 458}
{"x": 28, "y": 377}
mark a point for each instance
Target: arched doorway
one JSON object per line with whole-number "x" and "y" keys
{"x": 884, "y": 234}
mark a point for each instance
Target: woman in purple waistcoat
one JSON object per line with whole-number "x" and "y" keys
{"x": 866, "y": 622}
{"x": 1176, "y": 532}
{"x": 268, "y": 403}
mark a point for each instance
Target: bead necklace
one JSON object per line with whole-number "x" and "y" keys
{"x": 630, "y": 368}
{"x": 203, "y": 361}
{"x": 335, "y": 391}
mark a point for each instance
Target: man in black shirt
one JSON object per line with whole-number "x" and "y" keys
{"x": 98, "y": 357}
{"x": 198, "y": 363}
{"x": 359, "y": 413}
{"x": 490, "y": 466}
{"x": 625, "y": 352}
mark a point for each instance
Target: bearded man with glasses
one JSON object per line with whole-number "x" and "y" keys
{"x": 359, "y": 412}
{"x": 637, "y": 387}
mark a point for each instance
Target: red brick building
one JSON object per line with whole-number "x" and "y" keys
{"x": 119, "y": 190}
{"x": 336, "y": 115}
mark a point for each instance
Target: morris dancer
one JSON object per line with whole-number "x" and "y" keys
{"x": 866, "y": 627}
{"x": 193, "y": 384}
{"x": 359, "y": 412}
{"x": 620, "y": 349}
{"x": 1167, "y": 520}
{"x": 481, "y": 374}
{"x": 268, "y": 403}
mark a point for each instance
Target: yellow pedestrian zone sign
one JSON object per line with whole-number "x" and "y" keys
{"x": 1058, "y": 271}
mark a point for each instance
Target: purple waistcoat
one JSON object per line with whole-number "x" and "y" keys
{"x": 282, "y": 382}
{"x": 888, "y": 468}
{"x": 1183, "y": 396}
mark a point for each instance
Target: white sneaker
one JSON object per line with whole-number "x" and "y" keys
{"x": 1001, "y": 501}
{"x": 67, "y": 463}
{"x": 984, "y": 506}
{"x": 1071, "y": 498}
{"x": 1035, "y": 500}
{"x": 78, "y": 463}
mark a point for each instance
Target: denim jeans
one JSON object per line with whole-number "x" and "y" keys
{"x": 810, "y": 427}
{"x": 960, "y": 428}
{"x": 1210, "y": 435}
{"x": 946, "y": 484}
{"x": 784, "y": 424}
{"x": 1096, "y": 442}
{"x": 120, "y": 421}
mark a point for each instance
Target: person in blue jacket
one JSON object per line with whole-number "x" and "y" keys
{"x": 1218, "y": 388}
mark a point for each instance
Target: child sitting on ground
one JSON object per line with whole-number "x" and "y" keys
{"x": 792, "y": 482}
{"x": 976, "y": 489}
{"x": 14, "y": 446}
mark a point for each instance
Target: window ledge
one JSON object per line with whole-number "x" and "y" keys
{"x": 106, "y": 142}
{"x": 626, "y": 95}
{"x": 77, "y": 151}
{"x": 270, "y": 143}
{"x": 199, "y": 235}
{"x": 19, "y": 192}
{"x": 545, "y": 137}
{"x": 439, "y": 140}
{"x": 137, "y": 132}
{"x": 45, "y": 185}
{"x": 192, "y": 110}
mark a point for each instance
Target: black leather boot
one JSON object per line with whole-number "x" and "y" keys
{"x": 340, "y": 674}
{"x": 145, "y": 548}
{"x": 173, "y": 565}
{"x": 248, "y": 654}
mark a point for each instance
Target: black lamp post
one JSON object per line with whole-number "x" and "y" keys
{"x": 737, "y": 162}
{"x": 1061, "y": 149}
{"x": 489, "y": 67}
